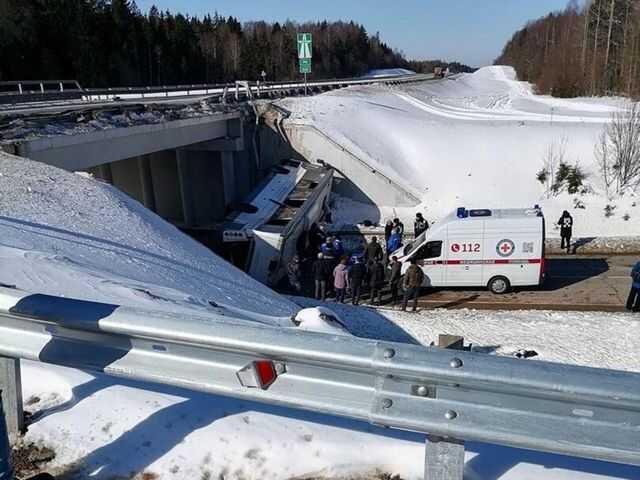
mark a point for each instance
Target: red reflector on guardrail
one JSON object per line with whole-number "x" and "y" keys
{"x": 258, "y": 374}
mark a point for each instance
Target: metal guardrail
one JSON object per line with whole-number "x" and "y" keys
{"x": 255, "y": 87}
{"x": 557, "y": 408}
{"x": 13, "y": 101}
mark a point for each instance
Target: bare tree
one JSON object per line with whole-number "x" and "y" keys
{"x": 618, "y": 150}
{"x": 553, "y": 157}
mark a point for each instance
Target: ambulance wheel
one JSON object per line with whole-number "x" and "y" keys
{"x": 499, "y": 285}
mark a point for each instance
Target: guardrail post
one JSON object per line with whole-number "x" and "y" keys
{"x": 11, "y": 387}
{"x": 444, "y": 457}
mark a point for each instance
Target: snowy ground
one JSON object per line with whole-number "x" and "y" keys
{"x": 67, "y": 235}
{"x": 477, "y": 140}
{"x": 106, "y": 429}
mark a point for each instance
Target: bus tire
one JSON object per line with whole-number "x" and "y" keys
{"x": 499, "y": 285}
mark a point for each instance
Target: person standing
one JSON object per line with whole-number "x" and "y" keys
{"x": 394, "y": 279}
{"x": 356, "y": 277}
{"x": 376, "y": 281}
{"x": 388, "y": 230}
{"x": 412, "y": 282}
{"x": 420, "y": 225}
{"x": 633, "y": 302}
{"x": 399, "y": 226}
{"x": 566, "y": 230}
{"x": 294, "y": 273}
{"x": 319, "y": 270}
{"x": 338, "y": 248}
{"x": 340, "y": 279}
{"x": 327, "y": 248}
{"x": 395, "y": 242}
{"x": 373, "y": 251}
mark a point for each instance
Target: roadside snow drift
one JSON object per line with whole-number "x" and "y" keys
{"x": 476, "y": 140}
{"x": 68, "y": 235}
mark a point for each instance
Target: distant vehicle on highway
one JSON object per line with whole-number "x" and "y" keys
{"x": 498, "y": 249}
{"x": 440, "y": 72}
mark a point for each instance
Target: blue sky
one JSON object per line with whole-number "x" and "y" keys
{"x": 471, "y": 31}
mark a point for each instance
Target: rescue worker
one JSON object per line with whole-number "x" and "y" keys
{"x": 395, "y": 241}
{"x": 373, "y": 251}
{"x": 388, "y": 230}
{"x": 420, "y": 225}
{"x": 566, "y": 230}
{"x": 356, "y": 277}
{"x": 398, "y": 225}
{"x": 327, "y": 248}
{"x": 376, "y": 281}
{"x": 412, "y": 282}
{"x": 340, "y": 279}
{"x": 394, "y": 279}
{"x": 320, "y": 276}
{"x": 633, "y": 302}
{"x": 294, "y": 274}
{"x": 338, "y": 248}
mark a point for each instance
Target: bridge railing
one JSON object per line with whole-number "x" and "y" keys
{"x": 453, "y": 396}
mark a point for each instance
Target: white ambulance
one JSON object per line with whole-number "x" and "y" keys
{"x": 498, "y": 249}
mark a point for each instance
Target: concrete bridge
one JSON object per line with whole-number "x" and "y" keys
{"x": 192, "y": 169}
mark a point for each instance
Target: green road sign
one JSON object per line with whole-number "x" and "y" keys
{"x": 305, "y": 65}
{"x": 305, "y": 45}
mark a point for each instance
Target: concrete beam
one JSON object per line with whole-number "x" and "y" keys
{"x": 219, "y": 145}
{"x": 148, "y": 193}
{"x": 186, "y": 193}
{"x": 80, "y": 152}
{"x": 105, "y": 173}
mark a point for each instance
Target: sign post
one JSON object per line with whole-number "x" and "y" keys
{"x": 305, "y": 53}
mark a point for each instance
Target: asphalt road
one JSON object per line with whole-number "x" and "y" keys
{"x": 585, "y": 283}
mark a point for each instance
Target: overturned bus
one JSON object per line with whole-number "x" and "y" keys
{"x": 266, "y": 231}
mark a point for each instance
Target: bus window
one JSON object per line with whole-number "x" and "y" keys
{"x": 429, "y": 250}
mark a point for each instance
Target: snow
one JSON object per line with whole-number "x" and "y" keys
{"x": 476, "y": 140}
{"x": 68, "y": 235}
{"x": 24, "y": 127}
{"x": 107, "y": 428}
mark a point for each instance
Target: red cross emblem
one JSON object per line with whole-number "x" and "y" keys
{"x": 505, "y": 248}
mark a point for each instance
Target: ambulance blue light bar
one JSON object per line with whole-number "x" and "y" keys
{"x": 464, "y": 213}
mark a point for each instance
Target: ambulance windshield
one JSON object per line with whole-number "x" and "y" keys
{"x": 417, "y": 243}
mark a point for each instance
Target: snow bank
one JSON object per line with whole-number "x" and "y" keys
{"x": 67, "y": 235}
{"x": 476, "y": 140}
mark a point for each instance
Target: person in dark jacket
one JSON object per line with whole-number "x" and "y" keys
{"x": 338, "y": 248}
{"x": 398, "y": 225}
{"x": 327, "y": 248}
{"x": 373, "y": 251}
{"x": 356, "y": 277}
{"x": 376, "y": 281}
{"x": 420, "y": 225}
{"x": 395, "y": 242}
{"x": 633, "y": 302}
{"x": 394, "y": 279}
{"x": 412, "y": 282}
{"x": 566, "y": 230}
{"x": 388, "y": 230}
{"x": 321, "y": 270}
